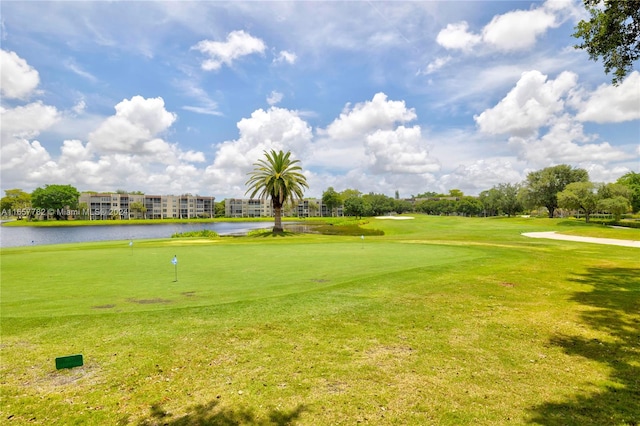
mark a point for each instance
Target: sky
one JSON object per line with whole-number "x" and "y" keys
{"x": 184, "y": 97}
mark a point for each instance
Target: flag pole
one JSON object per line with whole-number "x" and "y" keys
{"x": 175, "y": 265}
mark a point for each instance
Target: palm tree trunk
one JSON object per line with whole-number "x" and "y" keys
{"x": 277, "y": 216}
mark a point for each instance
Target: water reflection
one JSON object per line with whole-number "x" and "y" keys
{"x": 27, "y": 235}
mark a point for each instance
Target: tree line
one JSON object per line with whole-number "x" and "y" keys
{"x": 549, "y": 189}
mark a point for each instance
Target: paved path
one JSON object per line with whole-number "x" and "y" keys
{"x": 552, "y": 235}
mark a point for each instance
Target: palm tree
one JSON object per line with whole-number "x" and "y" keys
{"x": 278, "y": 177}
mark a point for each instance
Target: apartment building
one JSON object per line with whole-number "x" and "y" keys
{"x": 104, "y": 206}
{"x": 243, "y": 207}
{"x": 313, "y": 207}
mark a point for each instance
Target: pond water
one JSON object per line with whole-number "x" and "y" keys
{"x": 30, "y": 235}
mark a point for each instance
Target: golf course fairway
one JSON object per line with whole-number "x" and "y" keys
{"x": 440, "y": 321}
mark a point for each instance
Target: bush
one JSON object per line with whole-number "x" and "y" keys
{"x": 205, "y": 233}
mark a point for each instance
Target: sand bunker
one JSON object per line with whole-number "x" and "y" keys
{"x": 611, "y": 241}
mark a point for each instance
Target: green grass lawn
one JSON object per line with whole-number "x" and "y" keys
{"x": 453, "y": 321}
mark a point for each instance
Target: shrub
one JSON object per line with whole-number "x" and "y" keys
{"x": 205, "y": 233}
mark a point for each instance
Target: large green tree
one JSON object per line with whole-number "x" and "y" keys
{"x": 355, "y": 206}
{"x": 632, "y": 181}
{"x": 56, "y": 199}
{"x": 402, "y": 206}
{"x": 279, "y": 178}
{"x": 220, "y": 208}
{"x": 542, "y": 186}
{"x": 468, "y": 206}
{"x": 491, "y": 201}
{"x": 581, "y": 196}
{"x": 16, "y": 202}
{"x": 379, "y": 204}
{"x": 617, "y": 206}
{"x": 138, "y": 208}
{"x": 349, "y": 192}
{"x": 331, "y": 199}
{"x": 613, "y": 33}
{"x": 510, "y": 201}
{"x": 615, "y": 198}
{"x": 503, "y": 198}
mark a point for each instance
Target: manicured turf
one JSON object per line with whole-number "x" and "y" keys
{"x": 439, "y": 321}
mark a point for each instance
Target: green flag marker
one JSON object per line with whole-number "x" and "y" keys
{"x": 69, "y": 361}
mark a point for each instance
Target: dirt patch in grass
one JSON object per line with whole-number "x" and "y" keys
{"x": 506, "y": 284}
{"x": 335, "y": 386}
{"x": 63, "y": 377}
{"x": 319, "y": 280}
{"x": 109, "y": 306}
{"x": 69, "y": 375}
{"x": 383, "y": 355}
{"x": 148, "y": 301}
{"x": 188, "y": 293}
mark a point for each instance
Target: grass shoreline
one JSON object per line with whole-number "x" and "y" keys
{"x": 60, "y": 223}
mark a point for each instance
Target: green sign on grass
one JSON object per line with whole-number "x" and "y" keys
{"x": 68, "y": 361}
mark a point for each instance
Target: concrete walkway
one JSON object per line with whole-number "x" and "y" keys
{"x": 552, "y": 235}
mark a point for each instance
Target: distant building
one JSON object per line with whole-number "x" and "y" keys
{"x": 104, "y": 206}
{"x": 244, "y": 207}
{"x": 313, "y": 207}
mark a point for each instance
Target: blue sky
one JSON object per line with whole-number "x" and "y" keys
{"x": 183, "y": 97}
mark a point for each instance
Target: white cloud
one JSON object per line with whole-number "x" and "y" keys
{"x": 477, "y": 176}
{"x": 457, "y": 36}
{"x": 133, "y": 128}
{"x": 565, "y": 142}
{"x": 79, "y": 107}
{"x": 369, "y": 146}
{"x": 515, "y": 30}
{"x": 274, "y": 98}
{"x": 20, "y": 158}
{"x": 401, "y": 151}
{"x": 599, "y": 172}
{"x": 19, "y": 79}
{"x": 191, "y": 156}
{"x": 518, "y": 29}
{"x": 288, "y": 57}
{"x": 124, "y": 150}
{"x": 20, "y": 155}
{"x": 537, "y": 104}
{"x": 27, "y": 121}
{"x": 437, "y": 64}
{"x": 613, "y": 104}
{"x": 363, "y": 118}
{"x": 531, "y": 104}
{"x": 238, "y": 44}
{"x": 74, "y": 151}
{"x": 275, "y": 128}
